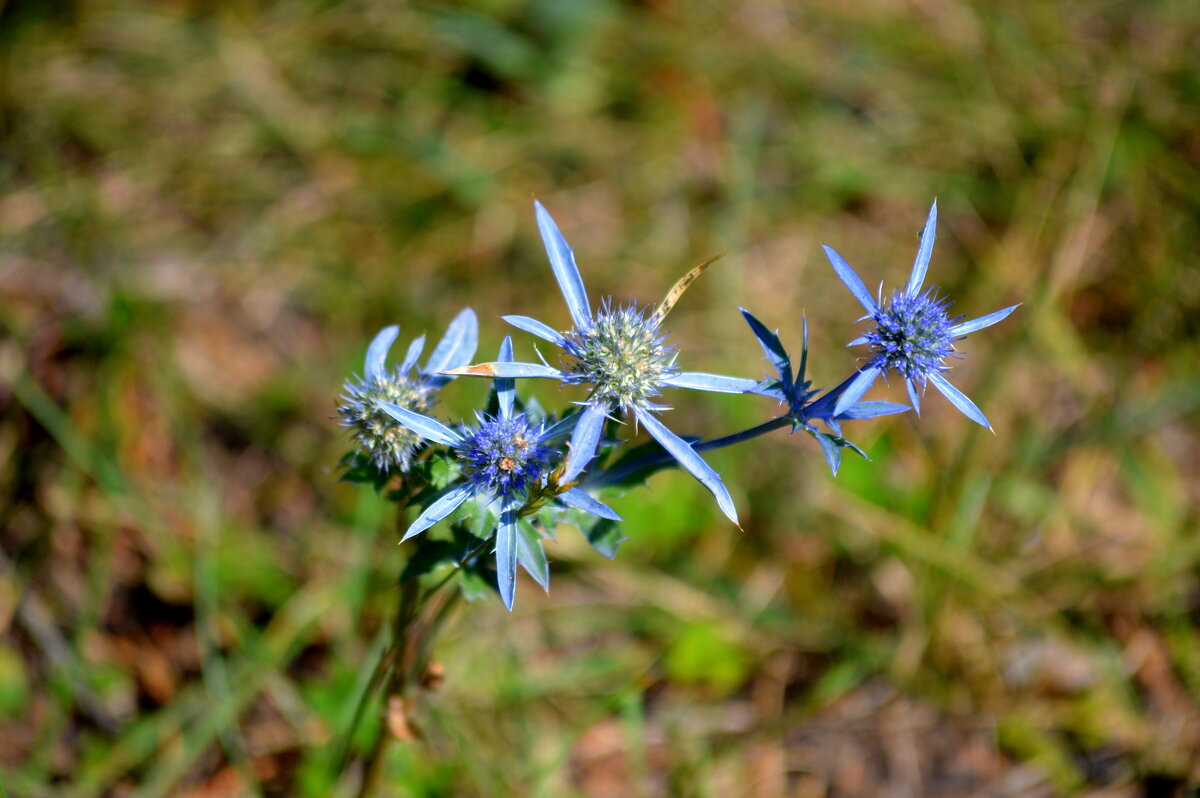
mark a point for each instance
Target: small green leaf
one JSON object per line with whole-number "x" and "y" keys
{"x": 443, "y": 469}
{"x": 361, "y": 471}
{"x": 476, "y": 584}
{"x": 530, "y": 554}
{"x": 605, "y": 537}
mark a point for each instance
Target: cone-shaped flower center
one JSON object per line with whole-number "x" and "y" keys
{"x": 388, "y": 443}
{"x": 622, "y": 355}
{"x": 503, "y": 455}
{"x": 912, "y": 335}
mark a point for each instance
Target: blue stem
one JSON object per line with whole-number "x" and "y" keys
{"x": 610, "y": 476}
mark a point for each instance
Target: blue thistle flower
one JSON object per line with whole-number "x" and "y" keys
{"x": 506, "y": 460}
{"x": 504, "y": 456}
{"x": 913, "y": 333}
{"x": 385, "y": 443}
{"x": 621, "y": 353}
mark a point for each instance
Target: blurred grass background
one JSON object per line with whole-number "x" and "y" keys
{"x": 207, "y": 209}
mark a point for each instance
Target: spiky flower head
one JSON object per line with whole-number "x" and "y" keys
{"x": 912, "y": 335}
{"x": 388, "y": 445}
{"x": 506, "y": 459}
{"x": 504, "y": 456}
{"x": 623, "y": 355}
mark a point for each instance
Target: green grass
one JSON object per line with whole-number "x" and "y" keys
{"x": 206, "y": 210}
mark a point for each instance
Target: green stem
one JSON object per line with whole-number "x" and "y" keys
{"x": 397, "y": 677}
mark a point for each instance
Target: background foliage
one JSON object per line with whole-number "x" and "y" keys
{"x": 207, "y": 209}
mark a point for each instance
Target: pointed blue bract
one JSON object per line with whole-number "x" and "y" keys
{"x": 693, "y": 463}
{"x": 858, "y": 386}
{"x": 511, "y": 370}
{"x": 441, "y": 507}
{"x": 959, "y": 400}
{"x": 851, "y": 280}
{"x": 506, "y": 389}
{"x": 975, "y": 325}
{"x": 506, "y": 553}
{"x": 562, "y": 261}
{"x": 413, "y": 354}
{"x": 543, "y": 331}
{"x": 424, "y": 426}
{"x": 374, "y": 367}
{"x": 823, "y": 407}
{"x": 584, "y": 440}
{"x": 772, "y": 346}
{"x": 581, "y": 500}
{"x": 913, "y": 396}
{"x": 456, "y": 348}
{"x": 718, "y": 383}
{"x": 864, "y": 410}
{"x": 832, "y": 452}
{"x": 803, "y": 353}
{"x": 924, "y": 251}
{"x": 561, "y": 427}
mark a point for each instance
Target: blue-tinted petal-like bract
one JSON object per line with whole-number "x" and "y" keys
{"x": 543, "y": 331}
{"x": 858, "y": 386}
{"x": 959, "y": 400}
{"x": 924, "y": 252}
{"x": 506, "y": 552}
{"x": 865, "y": 410}
{"x": 424, "y": 426}
{"x": 772, "y": 346}
{"x": 506, "y": 388}
{"x": 585, "y": 439}
{"x": 717, "y": 383}
{"x": 851, "y": 280}
{"x": 692, "y": 462}
{"x": 975, "y": 325}
{"x": 562, "y": 261}
{"x": 456, "y": 348}
{"x": 442, "y": 506}
{"x": 581, "y": 500}
{"x": 413, "y": 354}
{"x": 377, "y": 352}
{"x": 510, "y": 370}
{"x": 914, "y": 395}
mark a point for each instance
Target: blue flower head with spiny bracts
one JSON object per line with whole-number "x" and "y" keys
{"x": 913, "y": 333}
{"x": 388, "y": 445}
{"x": 621, "y": 354}
{"x": 506, "y": 460}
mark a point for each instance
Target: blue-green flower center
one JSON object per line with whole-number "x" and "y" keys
{"x": 384, "y": 440}
{"x": 622, "y": 355}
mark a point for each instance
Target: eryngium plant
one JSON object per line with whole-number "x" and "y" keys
{"x": 519, "y": 471}
{"x": 499, "y": 483}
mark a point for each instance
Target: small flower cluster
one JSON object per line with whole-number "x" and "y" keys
{"x": 520, "y": 471}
